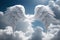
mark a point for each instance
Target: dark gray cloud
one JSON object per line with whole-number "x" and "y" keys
{"x": 57, "y": 36}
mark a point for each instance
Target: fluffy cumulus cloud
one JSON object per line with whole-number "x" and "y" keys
{"x": 13, "y": 15}
{"x": 55, "y": 32}
{"x": 55, "y": 6}
{"x": 49, "y": 15}
{"x": 44, "y": 13}
{"x": 52, "y": 32}
{"x": 16, "y": 25}
{"x": 37, "y": 34}
{"x": 8, "y": 34}
{"x": 13, "y": 25}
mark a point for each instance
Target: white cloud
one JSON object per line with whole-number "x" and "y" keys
{"x": 55, "y": 6}
{"x": 45, "y": 14}
{"x": 37, "y": 34}
{"x": 22, "y": 34}
{"x": 1, "y": 13}
{"x": 19, "y": 28}
{"x": 8, "y": 34}
{"x": 43, "y": 2}
{"x": 14, "y": 14}
{"x": 53, "y": 33}
{"x": 15, "y": 18}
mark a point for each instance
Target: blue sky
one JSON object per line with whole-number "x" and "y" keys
{"x": 28, "y": 4}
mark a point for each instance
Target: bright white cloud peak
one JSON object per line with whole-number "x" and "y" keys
{"x": 14, "y": 14}
{"x": 16, "y": 25}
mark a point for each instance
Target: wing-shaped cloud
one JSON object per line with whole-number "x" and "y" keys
{"x": 13, "y": 14}
{"x": 46, "y": 15}
{"x": 18, "y": 29}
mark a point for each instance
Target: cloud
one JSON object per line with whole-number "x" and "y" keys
{"x": 43, "y": 2}
{"x": 13, "y": 14}
{"x": 57, "y": 36}
{"x": 58, "y": 2}
{"x": 2, "y": 24}
{"x": 52, "y": 32}
{"x": 47, "y": 15}
{"x": 16, "y": 25}
{"x": 37, "y": 34}
{"x": 1, "y": 16}
{"x": 55, "y": 6}
{"x": 8, "y": 34}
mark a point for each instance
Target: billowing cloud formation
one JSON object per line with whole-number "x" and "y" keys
{"x": 55, "y": 32}
{"x": 16, "y": 25}
{"x": 52, "y": 32}
{"x": 37, "y": 34}
{"x": 46, "y": 15}
{"x": 13, "y": 15}
{"x": 8, "y": 34}
{"x": 55, "y": 6}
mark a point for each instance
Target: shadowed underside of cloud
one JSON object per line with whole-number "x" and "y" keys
{"x": 16, "y": 25}
{"x": 55, "y": 6}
